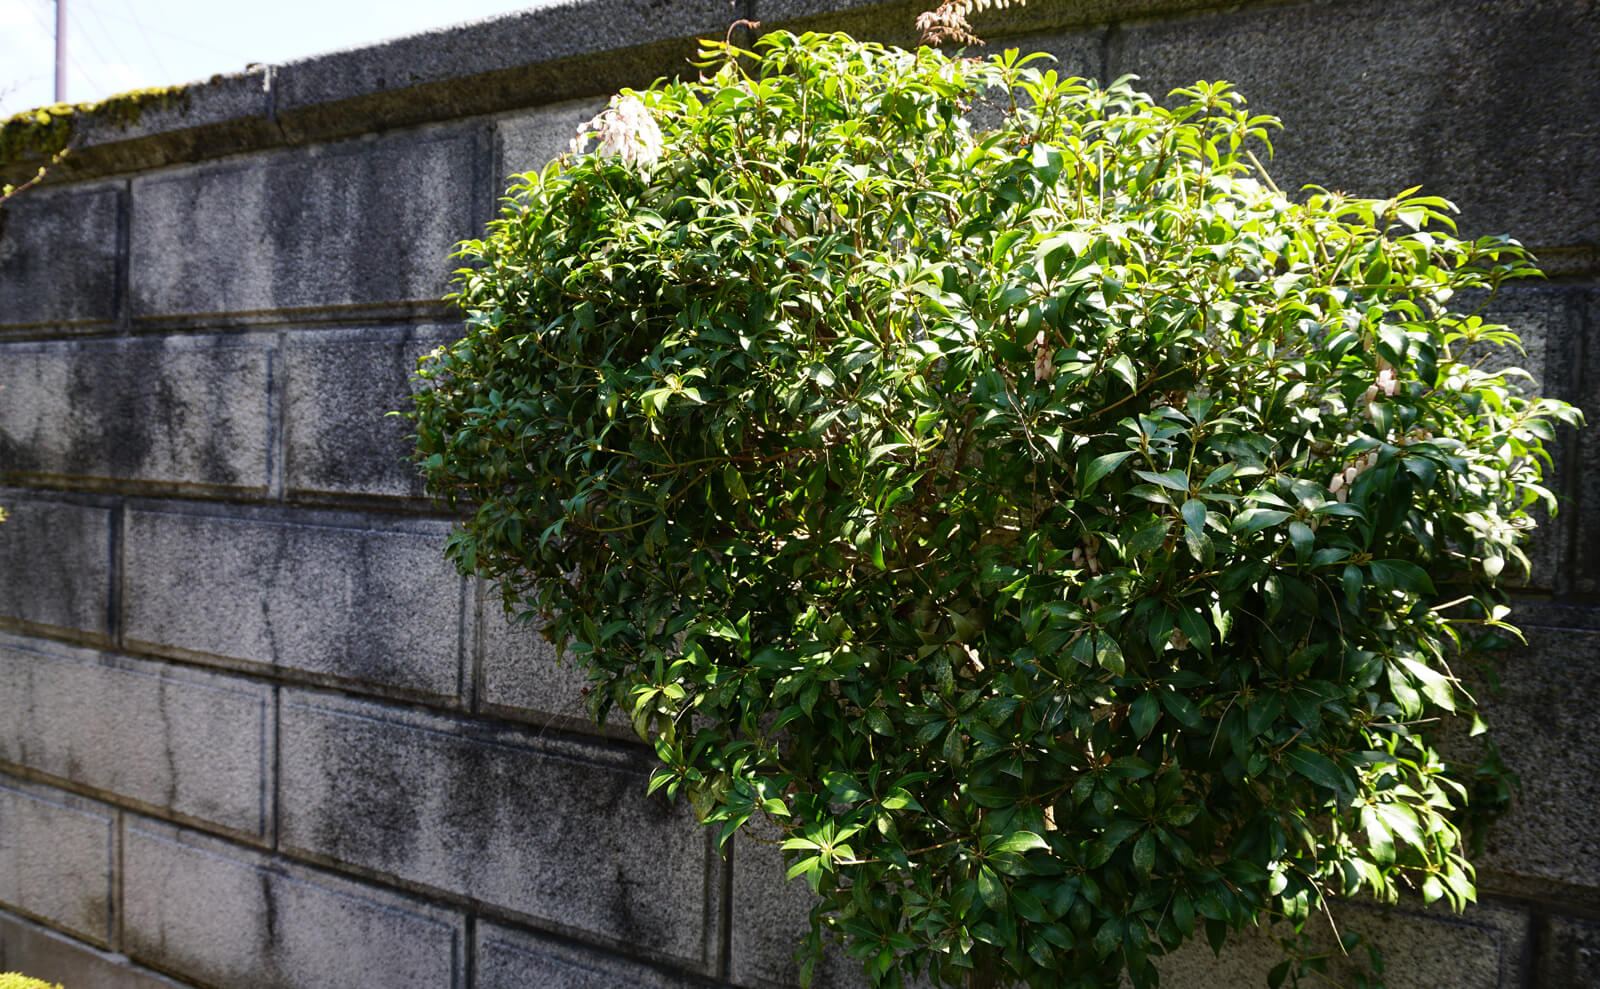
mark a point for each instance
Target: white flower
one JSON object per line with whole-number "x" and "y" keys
{"x": 624, "y": 128}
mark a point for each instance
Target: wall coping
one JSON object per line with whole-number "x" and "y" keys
{"x": 563, "y": 49}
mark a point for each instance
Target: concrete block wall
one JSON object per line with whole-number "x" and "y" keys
{"x": 255, "y": 732}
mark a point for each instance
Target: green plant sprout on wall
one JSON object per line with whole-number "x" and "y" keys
{"x": 1066, "y": 539}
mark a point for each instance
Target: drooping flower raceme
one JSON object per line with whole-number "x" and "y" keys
{"x": 624, "y": 128}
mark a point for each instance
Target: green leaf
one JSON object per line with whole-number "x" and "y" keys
{"x": 1099, "y": 467}
{"x": 1401, "y": 575}
{"x": 1317, "y": 768}
{"x": 991, "y": 888}
{"x": 1194, "y": 513}
{"x": 1021, "y": 841}
{"x": 1143, "y": 713}
{"x": 844, "y": 787}
{"x": 1172, "y": 480}
{"x": 1255, "y": 519}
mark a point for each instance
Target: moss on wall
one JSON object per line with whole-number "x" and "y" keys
{"x": 43, "y": 132}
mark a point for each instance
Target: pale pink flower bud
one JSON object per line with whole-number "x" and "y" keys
{"x": 1387, "y": 382}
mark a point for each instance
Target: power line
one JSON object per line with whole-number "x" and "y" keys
{"x": 206, "y": 45}
{"x": 100, "y": 54}
{"x": 146, "y": 36}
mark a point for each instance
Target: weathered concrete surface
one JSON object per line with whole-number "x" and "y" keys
{"x": 1585, "y": 480}
{"x": 44, "y": 954}
{"x": 770, "y": 922}
{"x": 512, "y": 959}
{"x": 550, "y": 52}
{"x": 58, "y": 256}
{"x": 381, "y": 607}
{"x": 55, "y": 566}
{"x": 560, "y": 833}
{"x": 365, "y": 221}
{"x": 183, "y": 412}
{"x": 528, "y": 140}
{"x": 340, "y": 386}
{"x": 180, "y": 741}
{"x": 218, "y": 914}
{"x": 55, "y": 859}
{"x": 1547, "y": 709}
{"x": 1477, "y": 108}
{"x": 523, "y": 679}
{"x": 1569, "y": 953}
{"x": 1483, "y": 949}
{"x": 1550, "y": 323}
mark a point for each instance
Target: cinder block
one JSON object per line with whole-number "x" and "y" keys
{"x": 55, "y": 566}
{"x": 1482, "y": 949}
{"x": 529, "y": 140}
{"x": 55, "y": 859}
{"x": 512, "y": 959}
{"x": 360, "y": 222}
{"x": 33, "y": 950}
{"x": 1458, "y": 103}
{"x": 1585, "y": 518}
{"x": 381, "y": 607}
{"x": 340, "y": 387}
{"x": 1569, "y": 953}
{"x": 523, "y": 678}
{"x": 168, "y": 412}
{"x": 1549, "y": 321}
{"x": 210, "y": 911}
{"x": 58, "y": 256}
{"x": 1548, "y": 706}
{"x": 557, "y": 833}
{"x": 178, "y": 741}
{"x": 771, "y": 920}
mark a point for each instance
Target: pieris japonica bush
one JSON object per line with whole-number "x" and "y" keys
{"x": 1063, "y": 537}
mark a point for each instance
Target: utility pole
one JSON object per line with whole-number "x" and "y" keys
{"x": 61, "y": 51}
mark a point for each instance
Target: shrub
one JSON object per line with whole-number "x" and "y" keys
{"x": 1067, "y": 539}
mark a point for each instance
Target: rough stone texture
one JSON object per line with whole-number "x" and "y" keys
{"x": 522, "y": 678}
{"x": 182, "y": 412}
{"x": 33, "y": 950}
{"x": 1482, "y": 949}
{"x": 1550, "y": 323}
{"x": 1469, "y": 106}
{"x": 1570, "y": 953}
{"x": 209, "y": 911}
{"x": 512, "y": 959}
{"x": 512, "y": 44}
{"x": 1585, "y": 486}
{"x": 559, "y": 833}
{"x": 770, "y": 921}
{"x": 55, "y": 566}
{"x": 55, "y": 859}
{"x": 58, "y": 257}
{"x": 339, "y": 387}
{"x": 1548, "y": 707}
{"x": 365, "y": 221}
{"x": 375, "y": 606}
{"x": 220, "y": 99}
{"x": 179, "y": 741}
{"x": 529, "y": 140}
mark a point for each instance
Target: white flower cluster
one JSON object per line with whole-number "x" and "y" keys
{"x": 1340, "y": 485}
{"x": 1387, "y": 384}
{"x": 624, "y": 128}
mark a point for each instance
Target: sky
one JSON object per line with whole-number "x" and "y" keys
{"x": 117, "y": 45}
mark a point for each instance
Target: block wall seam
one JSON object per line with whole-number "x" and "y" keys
{"x": 119, "y": 912}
